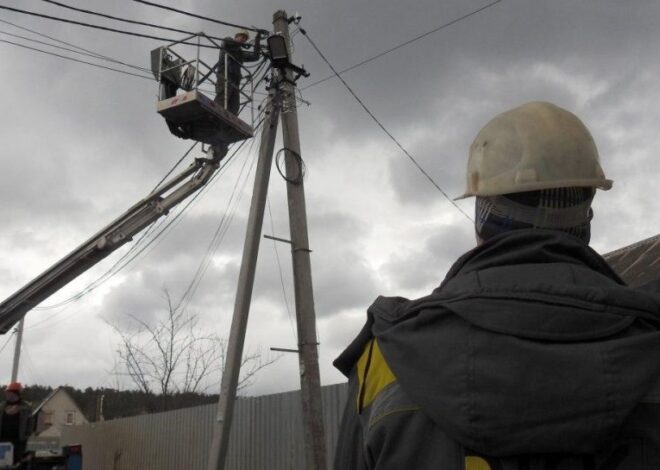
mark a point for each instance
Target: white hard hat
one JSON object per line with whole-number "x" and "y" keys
{"x": 535, "y": 146}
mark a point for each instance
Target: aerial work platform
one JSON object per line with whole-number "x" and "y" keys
{"x": 203, "y": 119}
{"x": 189, "y": 113}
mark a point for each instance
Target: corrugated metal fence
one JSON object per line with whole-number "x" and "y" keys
{"x": 266, "y": 434}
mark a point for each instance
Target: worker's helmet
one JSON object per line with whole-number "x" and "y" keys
{"x": 243, "y": 32}
{"x": 15, "y": 387}
{"x": 532, "y": 147}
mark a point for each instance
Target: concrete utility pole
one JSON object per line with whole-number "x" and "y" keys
{"x": 310, "y": 383}
{"x": 17, "y": 349}
{"x": 222, "y": 426}
{"x": 282, "y": 99}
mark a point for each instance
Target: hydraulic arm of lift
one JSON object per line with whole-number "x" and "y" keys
{"x": 106, "y": 241}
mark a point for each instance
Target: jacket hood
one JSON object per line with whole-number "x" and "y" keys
{"x": 532, "y": 344}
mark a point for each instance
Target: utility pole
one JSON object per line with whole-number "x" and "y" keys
{"x": 17, "y": 349}
{"x": 282, "y": 100}
{"x": 310, "y": 383}
{"x": 222, "y": 426}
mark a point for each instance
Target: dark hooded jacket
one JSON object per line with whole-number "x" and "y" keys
{"x": 531, "y": 354}
{"x": 235, "y": 54}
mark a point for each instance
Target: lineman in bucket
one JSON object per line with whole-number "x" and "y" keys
{"x": 532, "y": 353}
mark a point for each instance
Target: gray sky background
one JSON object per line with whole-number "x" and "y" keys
{"x": 82, "y": 144}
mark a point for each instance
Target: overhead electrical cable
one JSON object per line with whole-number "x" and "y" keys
{"x": 125, "y": 20}
{"x": 111, "y": 271}
{"x": 74, "y": 59}
{"x": 279, "y": 268}
{"x": 195, "y": 15}
{"x": 174, "y": 166}
{"x": 123, "y": 261}
{"x": 108, "y": 275}
{"x": 150, "y": 78}
{"x": 119, "y": 265}
{"x": 156, "y": 240}
{"x": 80, "y": 50}
{"x": 221, "y": 230}
{"x": 31, "y": 365}
{"x": 403, "y": 44}
{"x": 227, "y": 162}
{"x": 8, "y": 340}
{"x": 44, "y": 43}
{"x": 216, "y": 240}
{"x": 104, "y": 28}
{"x": 223, "y": 226}
{"x": 384, "y": 129}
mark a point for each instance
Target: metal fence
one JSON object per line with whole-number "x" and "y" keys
{"x": 266, "y": 434}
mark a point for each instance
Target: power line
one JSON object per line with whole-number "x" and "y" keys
{"x": 88, "y": 51}
{"x": 104, "y": 28}
{"x": 220, "y": 232}
{"x": 227, "y": 162}
{"x": 125, "y": 20}
{"x": 8, "y": 340}
{"x": 118, "y": 266}
{"x": 403, "y": 44}
{"x": 30, "y": 363}
{"x": 158, "y": 237}
{"x": 389, "y": 134}
{"x": 216, "y": 240}
{"x": 113, "y": 269}
{"x": 175, "y": 165}
{"x": 74, "y": 60}
{"x": 71, "y": 50}
{"x": 279, "y": 267}
{"x": 83, "y": 61}
{"x": 194, "y": 15}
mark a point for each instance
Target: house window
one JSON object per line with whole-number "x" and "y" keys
{"x": 47, "y": 417}
{"x": 69, "y": 417}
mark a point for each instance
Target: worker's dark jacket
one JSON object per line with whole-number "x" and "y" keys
{"x": 532, "y": 354}
{"x": 236, "y": 55}
{"x": 24, "y": 420}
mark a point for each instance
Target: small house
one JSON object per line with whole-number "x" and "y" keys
{"x": 57, "y": 411}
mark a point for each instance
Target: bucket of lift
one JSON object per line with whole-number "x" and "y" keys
{"x": 191, "y": 114}
{"x": 202, "y": 119}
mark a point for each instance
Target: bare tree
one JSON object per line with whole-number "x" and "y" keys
{"x": 172, "y": 355}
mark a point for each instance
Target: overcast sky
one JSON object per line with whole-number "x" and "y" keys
{"x": 81, "y": 144}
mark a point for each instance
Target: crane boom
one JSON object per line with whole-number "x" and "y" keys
{"x": 107, "y": 240}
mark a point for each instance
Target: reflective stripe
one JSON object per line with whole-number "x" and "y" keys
{"x": 373, "y": 374}
{"x": 476, "y": 463}
{"x": 390, "y": 400}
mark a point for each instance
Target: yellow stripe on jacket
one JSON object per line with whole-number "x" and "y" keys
{"x": 373, "y": 374}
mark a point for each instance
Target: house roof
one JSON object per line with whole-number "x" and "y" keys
{"x": 50, "y": 397}
{"x": 638, "y": 264}
{"x": 46, "y": 400}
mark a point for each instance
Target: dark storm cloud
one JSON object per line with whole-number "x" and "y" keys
{"x": 451, "y": 83}
{"x": 83, "y": 144}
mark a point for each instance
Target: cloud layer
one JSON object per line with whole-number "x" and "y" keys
{"x": 82, "y": 144}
